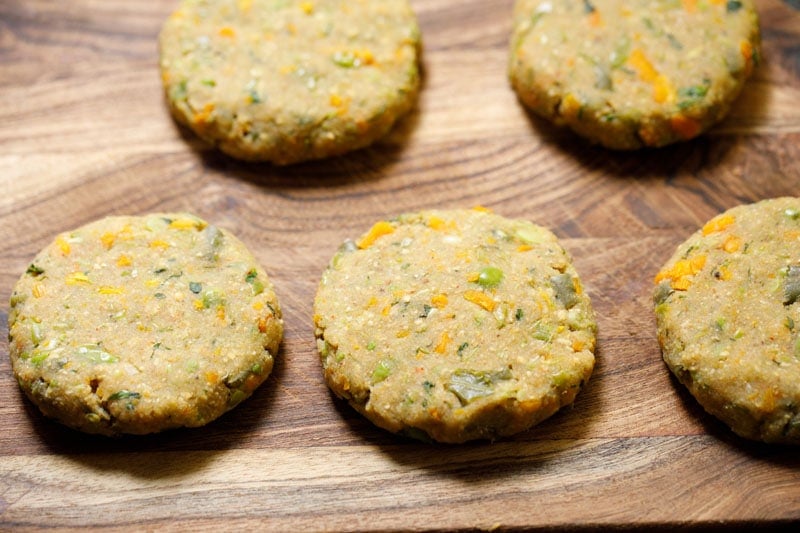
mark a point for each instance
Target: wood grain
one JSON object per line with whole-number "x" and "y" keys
{"x": 84, "y": 133}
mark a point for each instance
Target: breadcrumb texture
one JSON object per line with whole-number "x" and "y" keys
{"x": 454, "y": 325}
{"x": 290, "y": 81}
{"x": 141, "y": 324}
{"x": 635, "y": 73}
{"x": 728, "y": 314}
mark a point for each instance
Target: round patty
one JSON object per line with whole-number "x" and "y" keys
{"x": 728, "y": 313}
{"x": 632, "y": 74}
{"x": 140, "y": 324}
{"x": 454, "y": 325}
{"x": 290, "y": 81}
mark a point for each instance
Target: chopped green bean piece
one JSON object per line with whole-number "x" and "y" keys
{"x": 381, "y": 371}
{"x": 255, "y": 284}
{"x": 564, "y": 287}
{"x": 96, "y": 354}
{"x": 211, "y": 298}
{"x": 469, "y": 385}
{"x": 791, "y": 286}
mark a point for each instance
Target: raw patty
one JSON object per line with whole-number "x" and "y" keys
{"x": 140, "y": 324}
{"x": 632, "y": 74}
{"x": 728, "y": 313}
{"x": 290, "y": 81}
{"x": 454, "y": 325}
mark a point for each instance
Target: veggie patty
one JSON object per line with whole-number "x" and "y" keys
{"x": 634, "y": 73}
{"x": 728, "y": 313}
{"x": 454, "y": 325}
{"x": 290, "y": 81}
{"x": 140, "y": 324}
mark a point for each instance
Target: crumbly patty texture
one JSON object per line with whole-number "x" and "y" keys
{"x": 634, "y": 73}
{"x": 141, "y": 324}
{"x": 454, "y": 325}
{"x": 728, "y": 313}
{"x": 290, "y": 81}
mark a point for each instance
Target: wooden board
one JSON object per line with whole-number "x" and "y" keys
{"x": 84, "y": 133}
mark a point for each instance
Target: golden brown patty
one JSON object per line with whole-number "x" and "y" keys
{"x": 454, "y": 325}
{"x": 728, "y": 313}
{"x": 290, "y": 81}
{"x": 140, "y": 324}
{"x": 631, "y": 74}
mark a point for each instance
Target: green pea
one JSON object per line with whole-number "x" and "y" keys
{"x": 490, "y": 277}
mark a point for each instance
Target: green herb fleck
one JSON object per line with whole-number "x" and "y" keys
{"x": 602, "y": 78}
{"x": 620, "y": 54}
{"x": 255, "y": 98}
{"x": 344, "y": 59}
{"x": 789, "y": 212}
{"x": 209, "y": 83}
{"x": 159, "y": 296}
{"x": 690, "y": 96}
{"x": 371, "y": 345}
{"x": 426, "y": 310}
{"x": 588, "y": 7}
{"x": 255, "y": 284}
{"x": 461, "y": 348}
{"x": 543, "y": 332}
{"x": 34, "y": 270}
{"x": 733, "y": 6}
{"x": 674, "y": 42}
{"x": 428, "y": 386}
{"x": 536, "y": 17}
{"x": 124, "y": 395}
{"x": 195, "y": 287}
{"x": 519, "y": 314}
{"x": 179, "y": 92}
{"x": 158, "y": 346}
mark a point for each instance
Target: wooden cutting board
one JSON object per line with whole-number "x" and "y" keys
{"x": 84, "y": 133}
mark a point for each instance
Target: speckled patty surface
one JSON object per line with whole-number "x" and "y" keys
{"x": 728, "y": 313}
{"x": 454, "y": 325}
{"x": 634, "y": 73}
{"x": 290, "y": 81}
{"x": 140, "y": 324}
